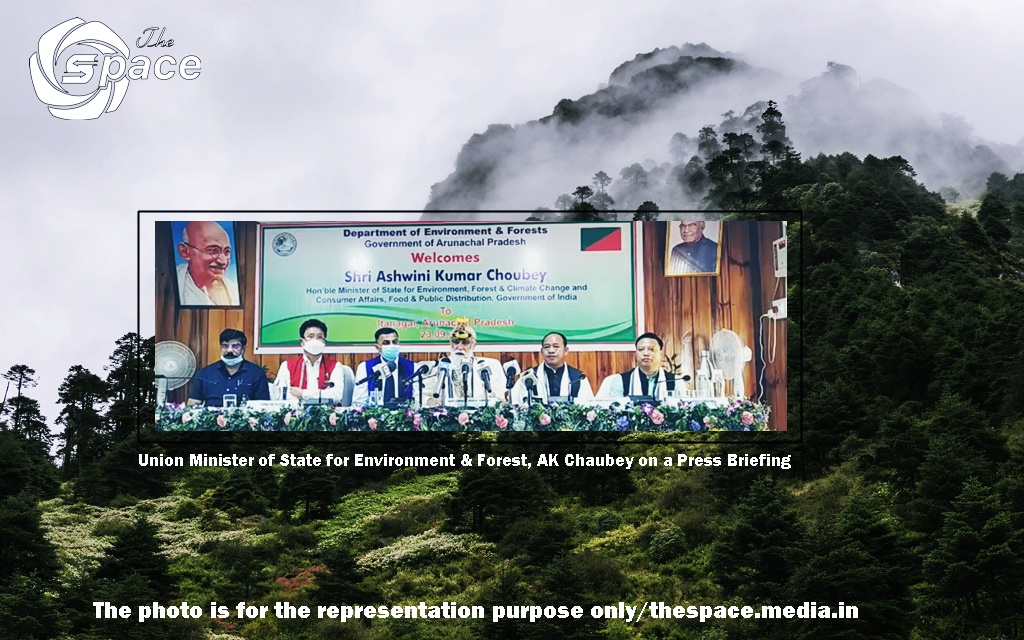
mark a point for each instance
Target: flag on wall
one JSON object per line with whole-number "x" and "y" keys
{"x": 601, "y": 239}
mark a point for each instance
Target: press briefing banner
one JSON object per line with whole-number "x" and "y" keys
{"x": 514, "y": 281}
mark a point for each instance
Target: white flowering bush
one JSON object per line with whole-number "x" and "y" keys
{"x": 358, "y": 510}
{"x": 72, "y": 529}
{"x": 429, "y": 547}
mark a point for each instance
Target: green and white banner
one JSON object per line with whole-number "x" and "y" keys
{"x": 514, "y": 281}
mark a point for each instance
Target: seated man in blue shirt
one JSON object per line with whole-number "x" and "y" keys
{"x": 386, "y": 342}
{"x": 231, "y": 375}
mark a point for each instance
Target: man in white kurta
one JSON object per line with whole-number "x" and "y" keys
{"x": 646, "y": 379}
{"x": 457, "y": 386}
{"x": 553, "y": 377}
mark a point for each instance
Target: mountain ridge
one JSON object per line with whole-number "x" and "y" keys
{"x": 658, "y": 96}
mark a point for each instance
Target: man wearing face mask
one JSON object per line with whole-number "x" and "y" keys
{"x": 314, "y": 376}
{"x": 231, "y": 375}
{"x": 388, "y": 349}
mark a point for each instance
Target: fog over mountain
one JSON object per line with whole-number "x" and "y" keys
{"x": 653, "y": 107}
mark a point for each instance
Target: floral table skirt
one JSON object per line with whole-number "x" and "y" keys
{"x": 739, "y": 415}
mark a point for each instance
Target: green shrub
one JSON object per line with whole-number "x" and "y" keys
{"x": 667, "y": 544}
{"x": 408, "y": 518}
{"x": 110, "y": 526}
{"x": 606, "y": 520}
{"x": 402, "y": 476}
{"x": 188, "y": 509}
{"x": 122, "y": 500}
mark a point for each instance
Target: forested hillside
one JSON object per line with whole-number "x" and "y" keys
{"x": 905, "y": 500}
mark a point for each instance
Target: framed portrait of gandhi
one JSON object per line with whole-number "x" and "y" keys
{"x": 693, "y": 248}
{"x": 206, "y": 270}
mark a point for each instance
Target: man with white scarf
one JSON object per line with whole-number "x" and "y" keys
{"x": 471, "y": 387}
{"x": 647, "y": 379}
{"x": 553, "y": 377}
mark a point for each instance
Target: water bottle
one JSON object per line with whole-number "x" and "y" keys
{"x": 704, "y": 376}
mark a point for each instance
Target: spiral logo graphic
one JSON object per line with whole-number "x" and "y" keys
{"x": 49, "y": 90}
{"x": 285, "y": 244}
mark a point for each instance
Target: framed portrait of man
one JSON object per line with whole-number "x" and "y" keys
{"x": 693, "y": 248}
{"x": 205, "y": 263}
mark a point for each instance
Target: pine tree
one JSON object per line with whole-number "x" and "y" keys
{"x": 978, "y": 560}
{"x": 488, "y": 500}
{"x": 858, "y": 556}
{"x": 774, "y": 143}
{"x": 24, "y": 412}
{"x": 758, "y": 550}
{"x": 647, "y": 212}
{"x": 85, "y": 436}
{"x": 131, "y": 385}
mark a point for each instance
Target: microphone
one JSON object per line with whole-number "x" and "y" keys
{"x": 485, "y": 375}
{"x": 320, "y": 392}
{"x": 382, "y": 370}
{"x": 529, "y": 378}
{"x": 424, "y": 368}
{"x": 465, "y": 368}
{"x": 512, "y": 369}
{"x": 444, "y": 365}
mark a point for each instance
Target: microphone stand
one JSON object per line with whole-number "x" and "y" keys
{"x": 378, "y": 390}
{"x": 320, "y": 394}
{"x": 485, "y": 377}
{"x": 465, "y": 385}
{"x": 417, "y": 376}
{"x": 442, "y": 378}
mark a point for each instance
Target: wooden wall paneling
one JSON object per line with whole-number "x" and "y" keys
{"x": 778, "y": 379}
{"x": 234, "y": 319}
{"x": 738, "y": 285}
{"x": 700, "y": 301}
{"x": 165, "y": 307}
{"x": 165, "y": 303}
{"x": 587, "y": 363}
{"x": 245, "y": 239}
{"x": 731, "y": 276}
{"x": 776, "y": 372}
{"x": 775, "y": 377}
{"x": 215, "y": 323}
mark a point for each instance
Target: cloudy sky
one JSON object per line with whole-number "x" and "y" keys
{"x": 364, "y": 105}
